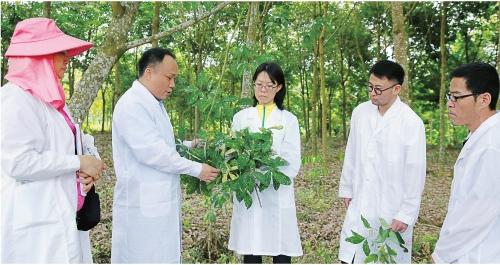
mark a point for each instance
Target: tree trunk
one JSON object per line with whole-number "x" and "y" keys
{"x": 155, "y": 26}
{"x": 304, "y": 100}
{"x": 314, "y": 101}
{"x": 324, "y": 99}
{"x": 110, "y": 52}
{"x": 342, "y": 83}
{"x": 400, "y": 41}
{"x": 103, "y": 95}
{"x": 118, "y": 85}
{"x": 498, "y": 45}
{"x": 442, "y": 106}
{"x": 71, "y": 78}
{"x": 251, "y": 42}
{"x": 200, "y": 43}
{"x": 107, "y": 55}
{"x": 379, "y": 36}
{"x": 46, "y": 9}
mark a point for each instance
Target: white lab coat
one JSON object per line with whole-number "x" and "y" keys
{"x": 272, "y": 229}
{"x": 38, "y": 183}
{"x": 383, "y": 173}
{"x": 471, "y": 229}
{"x": 147, "y": 198}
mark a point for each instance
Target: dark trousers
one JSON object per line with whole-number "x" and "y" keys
{"x": 280, "y": 259}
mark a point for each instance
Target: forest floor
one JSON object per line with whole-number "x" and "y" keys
{"x": 320, "y": 212}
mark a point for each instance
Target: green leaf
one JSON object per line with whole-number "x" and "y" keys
{"x": 372, "y": 258}
{"x": 384, "y": 223}
{"x": 355, "y": 238}
{"x": 391, "y": 251}
{"x": 365, "y": 223}
{"x": 393, "y": 238}
{"x": 248, "y": 200}
{"x": 400, "y": 238}
{"x": 366, "y": 248}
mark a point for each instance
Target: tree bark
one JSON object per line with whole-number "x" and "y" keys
{"x": 251, "y": 40}
{"x": 498, "y": 45}
{"x": 155, "y": 26}
{"x": 46, "y": 9}
{"x": 107, "y": 55}
{"x": 344, "y": 97}
{"x": 71, "y": 78}
{"x": 324, "y": 99}
{"x": 442, "y": 106}
{"x": 103, "y": 96}
{"x": 314, "y": 101}
{"x": 400, "y": 41}
{"x": 117, "y": 86}
{"x": 200, "y": 43}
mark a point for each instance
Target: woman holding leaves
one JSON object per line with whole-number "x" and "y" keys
{"x": 270, "y": 226}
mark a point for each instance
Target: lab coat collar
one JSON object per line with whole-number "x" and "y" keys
{"x": 254, "y": 116}
{"x": 393, "y": 111}
{"x": 481, "y": 130}
{"x": 145, "y": 93}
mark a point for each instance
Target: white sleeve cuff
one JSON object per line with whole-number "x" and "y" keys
{"x": 405, "y": 219}
{"x": 345, "y": 193}
{"x": 195, "y": 170}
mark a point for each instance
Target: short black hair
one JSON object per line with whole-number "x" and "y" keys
{"x": 480, "y": 78}
{"x": 390, "y": 70}
{"x": 276, "y": 74}
{"x": 152, "y": 57}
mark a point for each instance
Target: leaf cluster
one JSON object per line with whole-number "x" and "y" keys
{"x": 247, "y": 164}
{"x": 378, "y": 249}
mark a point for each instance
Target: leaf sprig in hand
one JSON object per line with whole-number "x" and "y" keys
{"x": 247, "y": 163}
{"x": 379, "y": 242}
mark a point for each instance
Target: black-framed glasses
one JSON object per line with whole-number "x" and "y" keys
{"x": 378, "y": 90}
{"x": 454, "y": 98}
{"x": 265, "y": 86}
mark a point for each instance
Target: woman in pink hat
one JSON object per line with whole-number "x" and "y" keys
{"x": 41, "y": 189}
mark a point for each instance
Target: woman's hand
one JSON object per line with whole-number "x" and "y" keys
{"x": 91, "y": 166}
{"x": 86, "y": 181}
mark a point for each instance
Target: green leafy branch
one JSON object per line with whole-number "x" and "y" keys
{"x": 376, "y": 244}
{"x": 247, "y": 164}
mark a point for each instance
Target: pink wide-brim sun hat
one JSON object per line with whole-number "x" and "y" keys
{"x": 41, "y": 36}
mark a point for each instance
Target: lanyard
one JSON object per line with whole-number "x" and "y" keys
{"x": 264, "y": 116}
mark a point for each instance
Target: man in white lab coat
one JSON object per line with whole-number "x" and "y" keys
{"x": 147, "y": 199}
{"x": 384, "y": 166}
{"x": 471, "y": 229}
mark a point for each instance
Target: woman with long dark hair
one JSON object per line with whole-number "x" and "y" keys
{"x": 270, "y": 228}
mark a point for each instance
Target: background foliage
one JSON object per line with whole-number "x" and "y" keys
{"x": 216, "y": 53}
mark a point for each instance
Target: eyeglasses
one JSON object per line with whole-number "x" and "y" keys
{"x": 378, "y": 90}
{"x": 454, "y": 98}
{"x": 267, "y": 87}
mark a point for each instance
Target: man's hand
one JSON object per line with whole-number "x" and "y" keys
{"x": 86, "y": 181}
{"x": 346, "y": 202}
{"x": 208, "y": 173}
{"x": 91, "y": 166}
{"x": 398, "y": 226}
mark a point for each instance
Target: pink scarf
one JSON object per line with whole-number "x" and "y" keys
{"x": 37, "y": 76}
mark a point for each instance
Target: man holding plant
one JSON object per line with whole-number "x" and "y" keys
{"x": 384, "y": 166}
{"x": 147, "y": 200}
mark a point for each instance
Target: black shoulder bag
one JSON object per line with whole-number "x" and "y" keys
{"x": 90, "y": 214}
